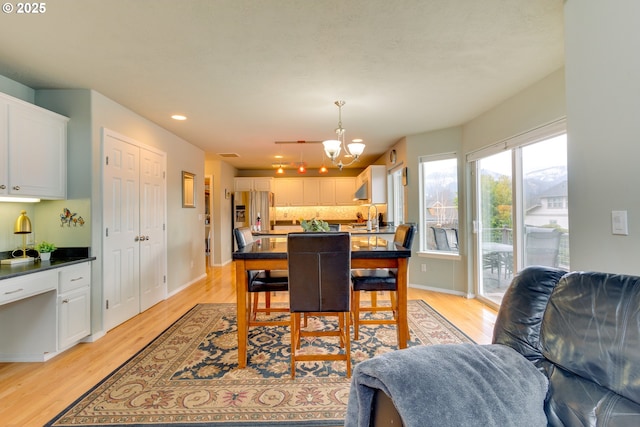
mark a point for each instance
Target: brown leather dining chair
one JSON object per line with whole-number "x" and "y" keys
{"x": 319, "y": 282}
{"x": 376, "y": 280}
{"x": 262, "y": 282}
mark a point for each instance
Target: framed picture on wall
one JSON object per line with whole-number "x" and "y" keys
{"x": 188, "y": 190}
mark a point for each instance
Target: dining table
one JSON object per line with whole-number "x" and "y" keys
{"x": 270, "y": 253}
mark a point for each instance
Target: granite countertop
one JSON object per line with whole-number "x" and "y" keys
{"x": 61, "y": 257}
{"x": 345, "y": 227}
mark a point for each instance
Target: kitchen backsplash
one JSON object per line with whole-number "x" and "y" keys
{"x": 66, "y": 223}
{"x": 326, "y": 213}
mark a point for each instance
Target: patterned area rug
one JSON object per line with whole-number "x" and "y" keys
{"x": 188, "y": 375}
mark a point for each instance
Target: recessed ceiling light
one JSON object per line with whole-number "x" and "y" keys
{"x": 179, "y": 117}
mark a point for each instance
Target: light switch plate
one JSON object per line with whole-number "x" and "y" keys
{"x": 619, "y": 223}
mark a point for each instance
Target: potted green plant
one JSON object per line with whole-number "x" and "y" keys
{"x": 45, "y": 249}
{"x": 314, "y": 224}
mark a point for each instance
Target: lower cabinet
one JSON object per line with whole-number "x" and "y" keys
{"x": 74, "y": 304}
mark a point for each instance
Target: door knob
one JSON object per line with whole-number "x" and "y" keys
{"x": 3, "y": 187}
{"x": 17, "y": 187}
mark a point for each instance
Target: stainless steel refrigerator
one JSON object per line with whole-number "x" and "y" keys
{"x": 248, "y": 205}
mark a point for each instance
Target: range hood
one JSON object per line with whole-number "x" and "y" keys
{"x": 361, "y": 193}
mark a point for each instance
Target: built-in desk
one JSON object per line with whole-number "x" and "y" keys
{"x": 44, "y": 308}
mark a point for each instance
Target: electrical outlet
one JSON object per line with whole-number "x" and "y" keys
{"x": 423, "y": 267}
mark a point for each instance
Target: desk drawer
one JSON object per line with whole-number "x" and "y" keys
{"x": 74, "y": 277}
{"x": 26, "y": 286}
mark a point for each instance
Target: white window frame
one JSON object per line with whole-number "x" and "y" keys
{"x": 396, "y": 205}
{"x": 423, "y": 229}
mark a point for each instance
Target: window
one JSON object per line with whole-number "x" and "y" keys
{"x": 439, "y": 204}
{"x": 396, "y": 197}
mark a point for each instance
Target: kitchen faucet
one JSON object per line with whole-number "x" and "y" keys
{"x": 375, "y": 217}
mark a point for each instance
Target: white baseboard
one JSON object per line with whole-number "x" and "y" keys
{"x": 185, "y": 286}
{"x": 443, "y": 291}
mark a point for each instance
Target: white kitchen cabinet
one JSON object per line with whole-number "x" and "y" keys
{"x": 345, "y": 191}
{"x": 263, "y": 184}
{"x": 33, "y": 144}
{"x": 74, "y": 304}
{"x": 253, "y": 184}
{"x": 288, "y": 191}
{"x": 243, "y": 184}
{"x": 327, "y": 189}
{"x": 373, "y": 183}
{"x": 310, "y": 191}
{"x": 314, "y": 191}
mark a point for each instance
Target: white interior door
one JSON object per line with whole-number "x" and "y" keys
{"x": 121, "y": 247}
{"x": 152, "y": 224}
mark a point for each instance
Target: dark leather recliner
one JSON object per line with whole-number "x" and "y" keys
{"x": 582, "y": 331}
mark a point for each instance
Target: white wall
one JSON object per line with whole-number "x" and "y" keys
{"x": 602, "y": 41}
{"x": 185, "y": 227}
{"x": 90, "y": 112}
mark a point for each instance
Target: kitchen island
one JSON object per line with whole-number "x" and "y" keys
{"x": 386, "y": 232}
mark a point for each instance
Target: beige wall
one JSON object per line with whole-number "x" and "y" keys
{"x": 539, "y": 104}
{"x": 602, "y": 40}
{"x": 221, "y": 219}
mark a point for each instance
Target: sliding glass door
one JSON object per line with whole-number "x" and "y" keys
{"x": 495, "y": 222}
{"x": 521, "y": 211}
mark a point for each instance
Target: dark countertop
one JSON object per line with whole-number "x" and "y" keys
{"x": 275, "y": 247}
{"x": 345, "y": 227}
{"x": 61, "y": 257}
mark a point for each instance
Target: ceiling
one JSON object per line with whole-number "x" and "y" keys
{"x": 248, "y": 73}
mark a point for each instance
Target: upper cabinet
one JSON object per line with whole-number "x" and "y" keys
{"x": 311, "y": 191}
{"x": 314, "y": 191}
{"x": 371, "y": 185}
{"x": 33, "y": 150}
{"x": 253, "y": 184}
{"x": 288, "y": 192}
{"x": 345, "y": 191}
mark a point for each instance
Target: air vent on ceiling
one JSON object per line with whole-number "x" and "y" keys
{"x": 228, "y": 155}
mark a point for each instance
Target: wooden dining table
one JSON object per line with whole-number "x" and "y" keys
{"x": 270, "y": 253}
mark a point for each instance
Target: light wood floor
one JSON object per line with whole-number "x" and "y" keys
{"x": 33, "y": 393}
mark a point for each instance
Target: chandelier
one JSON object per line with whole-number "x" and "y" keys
{"x": 332, "y": 147}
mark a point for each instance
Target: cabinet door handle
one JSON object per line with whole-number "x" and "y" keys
{"x": 14, "y": 292}
{"x": 16, "y": 187}
{"x": 76, "y": 279}
{"x": 65, "y": 301}
{"x": 3, "y": 187}
{"x": 136, "y": 239}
